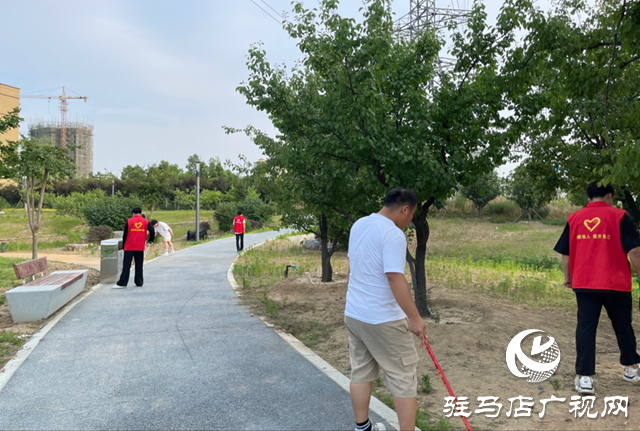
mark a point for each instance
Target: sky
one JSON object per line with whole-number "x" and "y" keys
{"x": 160, "y": 76}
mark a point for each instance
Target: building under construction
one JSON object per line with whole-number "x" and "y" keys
{"x": 79, "y": 141}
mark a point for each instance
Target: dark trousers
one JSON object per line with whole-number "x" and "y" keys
{"x": 126, "y": 268}
{"x": 619, "y": 309}
{"x": 240, "y": 241}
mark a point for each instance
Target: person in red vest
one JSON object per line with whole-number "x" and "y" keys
{"x": 238, "y": 228}
{"x": 594, "y": 248}
{"x": 134, "y": 240}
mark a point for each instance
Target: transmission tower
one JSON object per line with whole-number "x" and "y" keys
{"x": 424, "y": 15}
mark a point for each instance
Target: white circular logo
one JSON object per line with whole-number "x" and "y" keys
{"x": 537, "y": 371}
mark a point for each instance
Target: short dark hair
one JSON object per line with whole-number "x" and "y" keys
{"x": 136, "y": 210}
{"x": 153, "y": 222}
{"x": 593, "y": 191}
{"x": 400, "y": 197}
{"x": 240, "y": 212}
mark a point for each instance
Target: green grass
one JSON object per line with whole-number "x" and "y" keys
{"x": 9, "y": 344}
{"x": 7, "y": 275}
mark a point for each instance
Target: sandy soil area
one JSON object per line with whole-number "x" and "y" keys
{"x": 470, "y": 341}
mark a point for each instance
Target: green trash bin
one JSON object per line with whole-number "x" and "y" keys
{"x": 111, "y": 256}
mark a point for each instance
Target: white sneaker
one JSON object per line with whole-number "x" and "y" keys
{"x": 631, "y": 374}
{"x": 584, "y": 385}
{"x": 376, "y": 427}
{"x": 166, "y": 253}
{"x": 172, "y": 251}
{"x": 117, "y": 286}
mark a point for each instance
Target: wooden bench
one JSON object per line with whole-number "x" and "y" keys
{"x": 40, "y": 298}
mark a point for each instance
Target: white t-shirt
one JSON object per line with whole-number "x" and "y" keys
{"x": 376, "y": 247}
{"x": 163, "y": 229}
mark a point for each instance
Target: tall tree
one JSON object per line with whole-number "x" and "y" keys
{"x": 37, "y": 163}
{"x": 384, "y": 112}
{"x": 483, "y": 190}
{"x": 150, "y": 185}
{"x": 580, "y": 67}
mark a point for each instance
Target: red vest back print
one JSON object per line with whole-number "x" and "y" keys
{"x": 238, "y": 224}
{"x": 136, "y": 233}
{"x": 598, "y": 260}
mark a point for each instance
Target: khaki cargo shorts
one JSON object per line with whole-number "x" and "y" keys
{"x": 389, "y": 346}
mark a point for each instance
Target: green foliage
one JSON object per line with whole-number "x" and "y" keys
{"x": 38, "y": 163}
{"x": 483, "y": 190}
{"x": 149, "y": 185}
{"x": 425, "y": 386}
{"x": 110, "y": 211}
{"x": 503, "y": 208}
{"x": 365, "y": 112}
{"x": 524, "y": 190}
{"x": 10, "y": 120}
{"x": 210, "y": 198}
{"x": 75, "y": 204}
{"x": 99, "y": 233}
{"x": 224, "y": 215}
{"x": 3, "y": 203}
{"x": 185, "y": 199}
{"x": 255, "y": 209}
{"x": 578, "y": 72}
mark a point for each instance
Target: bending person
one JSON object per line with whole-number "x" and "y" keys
{"x": 134, "y": 239}
{"x": 380, "y": 314}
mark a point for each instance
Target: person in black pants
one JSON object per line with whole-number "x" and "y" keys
{"x": 596, "y": 246}
{"x": 134, "y": 240}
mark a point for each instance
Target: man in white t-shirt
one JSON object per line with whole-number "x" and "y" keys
{"x": 163, "y": 229}
{"x": 380, "y": 313}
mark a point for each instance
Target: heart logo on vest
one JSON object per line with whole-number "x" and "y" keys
{"x": 139, "y": 224}
{"x": 595, "y": 222}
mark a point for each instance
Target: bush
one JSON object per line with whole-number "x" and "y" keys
{"x": 224, "y": 214}
{"x": 254, "y": 225}
{"x": 99, "y": 233}
{"x": 503, "y": 207}
{"x": 110, "y": 211}
{"x": 3, "y": 203}
{"x": 255, "y": 209}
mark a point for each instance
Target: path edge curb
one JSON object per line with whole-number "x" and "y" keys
{"x": 343, "y": 381}
{"x": 23, "y": 353}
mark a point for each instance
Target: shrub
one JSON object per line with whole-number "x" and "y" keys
{"x": 3, "y": 203}
{"x": 99, "y": 233}
{"x": 503, "y": 207}
{"x": 255, "y": 209}
{"x": 110, "y": 211}
{"x": 224, "y": 214}
{"x": 255, "y": 224}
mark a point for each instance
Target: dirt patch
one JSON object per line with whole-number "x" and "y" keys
{"x": 25, "y": 330}
{"x": 470, "y": 339}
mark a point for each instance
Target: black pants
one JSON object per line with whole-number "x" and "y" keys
{"x": 126, "y": 267}
{"x": 240, "y": 241}
{"x": 618, "y": 306}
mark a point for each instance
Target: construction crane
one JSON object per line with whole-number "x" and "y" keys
{"x": 63, "y": 111}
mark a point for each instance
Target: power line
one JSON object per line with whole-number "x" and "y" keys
{"x": 272, "y": 8}
{"x": 274, "y": 18}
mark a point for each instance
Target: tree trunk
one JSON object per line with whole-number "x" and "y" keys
{"x": 417, "y": 266}
{"x": 529, "y": 214}
{"x": 632, "y": 207}
{"x": 34, "y": 244}
{"x": 327, "y": 270}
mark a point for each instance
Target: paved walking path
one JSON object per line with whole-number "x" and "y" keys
{"x": 178, "y": 353}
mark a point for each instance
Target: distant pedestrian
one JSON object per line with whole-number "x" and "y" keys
{"x": 594, "y": 248}
{"x": 238, "y": 228}
{"x": 163, "y": 229}
{"x": 380, "y": 314}
{"x": 134, "y": 240}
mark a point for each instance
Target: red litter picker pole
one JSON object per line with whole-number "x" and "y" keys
{"x": 444, "y": 379}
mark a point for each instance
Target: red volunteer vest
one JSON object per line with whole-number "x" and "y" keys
{"x": 598, "y": 260}
{"x": 238, "y": 224}
{"x": 136, "y": 233}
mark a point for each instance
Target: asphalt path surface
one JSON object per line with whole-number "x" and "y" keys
{"x": 177, "y": 353}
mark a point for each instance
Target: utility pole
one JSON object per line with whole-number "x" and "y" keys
{"x": 113, "y": 187}
{"x": 197, "y": 201}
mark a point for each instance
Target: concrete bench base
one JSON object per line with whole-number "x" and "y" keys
{"x": 33, "y": 303}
